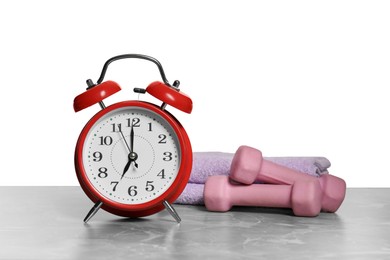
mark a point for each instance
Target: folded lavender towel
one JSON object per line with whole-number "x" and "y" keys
{"x": 207, "y": 164}
{"x": 192, "y": 195}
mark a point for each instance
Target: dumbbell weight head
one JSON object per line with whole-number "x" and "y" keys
{"x": 246, "y": 165}
{"x": 217, "y": 194}
{"x": 334, "y": 190}
{"x": 306, "y": 198}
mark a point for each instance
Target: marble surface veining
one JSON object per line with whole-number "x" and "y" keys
{"x": 46, "y": 223}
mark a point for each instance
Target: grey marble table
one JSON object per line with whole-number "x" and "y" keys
{"x": 46, "y": 223}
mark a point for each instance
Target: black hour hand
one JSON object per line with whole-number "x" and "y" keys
{"x": 126, "y": 168}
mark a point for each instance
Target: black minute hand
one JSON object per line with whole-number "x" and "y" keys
{"x": 133, "y": 156}
{"x": 131, "y": 138}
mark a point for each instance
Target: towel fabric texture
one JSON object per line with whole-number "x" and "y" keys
{"x": 207, "y": 164}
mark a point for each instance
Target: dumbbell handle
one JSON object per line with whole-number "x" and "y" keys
{"x": 274, "y": 173}
{"x": 264, "y": 195}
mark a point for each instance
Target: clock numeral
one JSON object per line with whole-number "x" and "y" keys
{"x": 168, "y": 156}
{"x": 102, "y": 172}
{"x": 97, "y": 156}
{"x": 149, "y": 186}
{"x": 116, "y": 127}
{"x": 132, "y": 191}
{"x": 162, "y": 139}
{"x": 161, "y": 174}
{"x": 105, "y": 140}
{"x": 115, "y": 184}
{"x": 135, "y": 121}
{"x": 150, "y": 127}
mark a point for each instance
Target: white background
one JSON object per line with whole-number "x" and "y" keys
{"x": 291, "y": 78}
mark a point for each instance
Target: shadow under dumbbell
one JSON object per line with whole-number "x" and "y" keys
{"x": 250, "y": 209}
{"x": 263, "y": 210}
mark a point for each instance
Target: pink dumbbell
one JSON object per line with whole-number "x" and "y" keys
{"x": 304, "y": 198}
{"x": 249, "y": 166}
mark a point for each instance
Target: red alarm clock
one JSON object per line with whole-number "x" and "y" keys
{"x": 133, "y": 158}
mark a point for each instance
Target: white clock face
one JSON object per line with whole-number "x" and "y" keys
{"x": 131, "y": 155}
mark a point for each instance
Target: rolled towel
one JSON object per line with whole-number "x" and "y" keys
{"x": 207, "y": 164}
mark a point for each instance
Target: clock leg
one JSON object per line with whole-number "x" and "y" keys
{"x": 93, "y": 211}
{"x": 172, "y": 211}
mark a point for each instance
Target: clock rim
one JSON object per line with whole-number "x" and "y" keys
{"x": 155, "y": 205}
